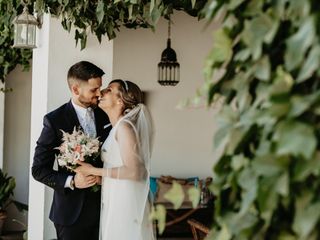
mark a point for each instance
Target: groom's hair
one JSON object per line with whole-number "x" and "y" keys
{"x": 83, "y": 71}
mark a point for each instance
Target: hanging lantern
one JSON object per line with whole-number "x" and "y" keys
{"x": 168, "y": 68}
{"x": 25, "y": 30}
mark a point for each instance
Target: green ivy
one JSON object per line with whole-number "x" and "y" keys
{"x": 106, "y": 17}
{"x": 98, "y": 17}
{"x": 264, "y": 71}
{"x": 10, "y": 57}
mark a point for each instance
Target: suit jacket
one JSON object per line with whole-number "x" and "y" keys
{"x": 67, "y": 204}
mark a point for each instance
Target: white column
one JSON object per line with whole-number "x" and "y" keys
{"x": 55, "y": 54}
{"x": 2, "y": 85}
{"x": 39, "y": 107}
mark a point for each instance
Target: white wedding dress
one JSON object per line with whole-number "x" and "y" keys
{"x": 124, "y": 203}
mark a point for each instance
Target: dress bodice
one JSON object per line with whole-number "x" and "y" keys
{"x": 110, "y": 152}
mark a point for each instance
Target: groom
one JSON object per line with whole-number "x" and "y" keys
{"x": 75, "y": 209}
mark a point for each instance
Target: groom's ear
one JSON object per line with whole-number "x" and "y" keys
{"x": 75, "y": 89}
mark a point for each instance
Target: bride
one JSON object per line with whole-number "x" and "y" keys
{"x": 126, "y": 156}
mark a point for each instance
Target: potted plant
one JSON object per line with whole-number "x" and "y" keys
{"x": 7, "y": 185}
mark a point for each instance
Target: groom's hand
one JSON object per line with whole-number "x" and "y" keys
{"x": 98, "y": 180}
{"x": 82, "y": 181}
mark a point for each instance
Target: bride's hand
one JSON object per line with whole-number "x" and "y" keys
{"x": 84, "y": 168}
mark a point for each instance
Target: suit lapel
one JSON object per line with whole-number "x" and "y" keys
{"x": 101, "y": 120}
{"x": 71, "y": 115}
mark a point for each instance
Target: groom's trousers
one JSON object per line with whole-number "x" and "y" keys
{"x": 86, "y": 226}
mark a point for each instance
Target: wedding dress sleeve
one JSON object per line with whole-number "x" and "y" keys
{"x": 130, "y": 150}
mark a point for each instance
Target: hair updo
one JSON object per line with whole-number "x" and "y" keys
{"x": 130, "y": 94}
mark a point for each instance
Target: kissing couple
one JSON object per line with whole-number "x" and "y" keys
{"x": 117, "y": 116}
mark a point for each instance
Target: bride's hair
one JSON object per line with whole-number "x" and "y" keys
{"x": 130, "y": 94}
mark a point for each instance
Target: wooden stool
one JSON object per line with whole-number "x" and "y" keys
{"x": 199, "y": 231}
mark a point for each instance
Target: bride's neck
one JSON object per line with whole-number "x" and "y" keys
{"x": 114, "y": 117}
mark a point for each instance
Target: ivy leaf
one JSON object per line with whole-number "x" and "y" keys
{"x": 241, "y": 224}
{"x": 310, "y": 65}
{"x": 267, "y": 198}
{"x": 152, "y": 4}
{"x": 226, "y": 120}
{"x": 242, "y": 55}
{"x": 282, "y": 83}
{"x": 303, "y": 169}
{"x": 273, "y": 30}
{"x": 300, "y": 104}
{"x": 155, "y": 15}
{"x": 193, "y": 3}
{"x": 222, "y": 46}
{"x": 100, "y": 11}
{"x": 254, "y": 8}
{"x": 263, "y": 68}
{"x": 267, "y": 166}
{"x": 235, "y": 138}
{"x": 110, "y": 32}
{"x": 298, "y": 9}
{"x": 234, "y": 4}
{"x": 282, "y": 185}
{"x": 306, "y": 217}
{"x": 212, "y": 90}
{"x": 239, "y": 161}
{"x": 295, "y": 138}
{"x": 211, "y": 9}
{"x": 224, "y": 233}
{"x": 77, "y": 36}
{"x": 130, "y": 10}
{"x": 220, "y": 52}
{"x": 194, "y": 196}
{"x": 285, "y": 235}
{"x": 83, "y": 40}
{"x": 248, "y": 182}
{"x": 221, "y": 135}
{"x": 175, "y": 195}
{"x": 254, "y": 33}
{"x": 298, "y": 44}
{"x": 159, "y": 213}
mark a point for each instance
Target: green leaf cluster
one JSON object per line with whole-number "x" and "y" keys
{"x": 267, "y": 178}
{"x": 106, "y": 17}
{"x": 98, "y": 17}
{"x": 7, "y": 185}
{"x": 10, "y": 57}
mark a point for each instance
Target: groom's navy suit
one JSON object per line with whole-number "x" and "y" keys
{"x": 76, "y": 207}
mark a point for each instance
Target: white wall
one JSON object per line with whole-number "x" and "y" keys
{"x": 16, "y": 140}
{"x": 183, "y": 140}
{"x": 63, "y": 53}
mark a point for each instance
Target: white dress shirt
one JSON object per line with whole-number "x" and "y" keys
{"x": 81, "y": 114}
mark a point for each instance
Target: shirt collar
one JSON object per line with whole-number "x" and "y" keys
{"x": 81, "y": 111}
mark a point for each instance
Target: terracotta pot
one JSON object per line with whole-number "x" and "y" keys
{"x": 3, "y": 217}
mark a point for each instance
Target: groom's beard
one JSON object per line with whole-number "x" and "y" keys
{"x": 93, "y": 104}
